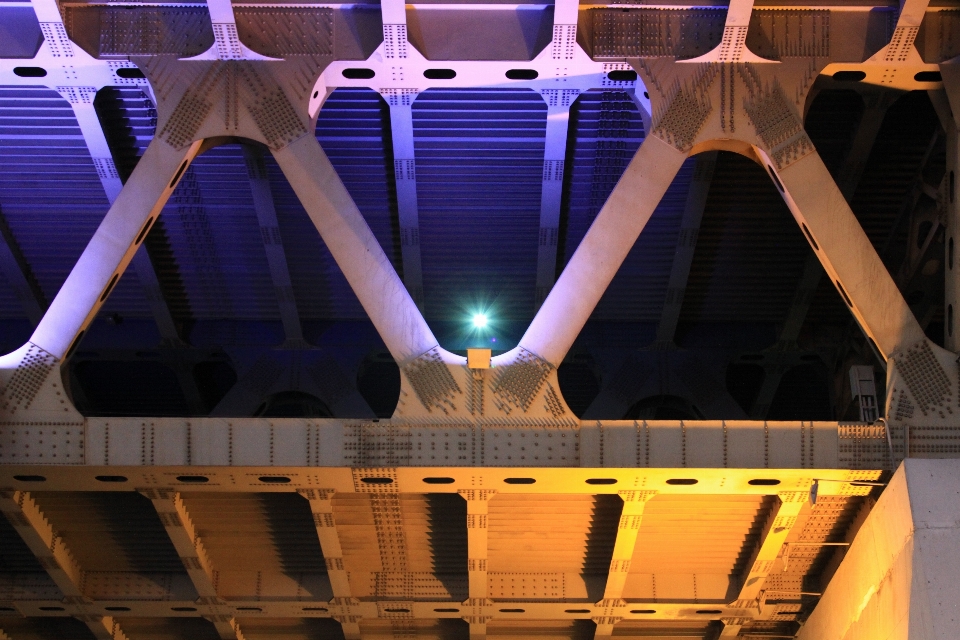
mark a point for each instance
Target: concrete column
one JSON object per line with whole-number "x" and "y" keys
{"x": 899, "y": 579}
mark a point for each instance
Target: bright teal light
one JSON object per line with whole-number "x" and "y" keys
{"x": 480, "y": 320}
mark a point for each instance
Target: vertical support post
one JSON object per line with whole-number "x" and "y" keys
{"x": 478, "y": 504}
{"x": 400, "y": 102}
{"x": 273, "y": 244}
{"x": 564, "y": 45}
{"x": 628, "y": 529}
{"x": 395, "y": 44}
{"x": 686, "y": 246}
{"x": 554, "y": 156}
{"x": 321, "y": 505}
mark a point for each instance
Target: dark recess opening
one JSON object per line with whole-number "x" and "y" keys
{"x": 378, "y": 381}
{"x": 439, "y": 74}
{"x": 358, "y": 74}
{"x": 744, "y": 380}
{"x": 849, "y": 76}
{"x": 29, "y": 72}
{"x": 129, "y": 72}
{"x": 214, "y": 379}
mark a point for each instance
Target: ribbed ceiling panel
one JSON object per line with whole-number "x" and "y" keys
{"x": 46, "y": 628}
{"x": 538, "y": 543}
{"x": 419, "y": 540}
{"x": 10, "y": 306}
{"x": 267, "y": 532}
{"x": 111, "y": 531}
{"x": 541, "y": 629}
{"x": 166, "y": 628}
{"x": 446, "y": 629}
{"x": 664, "y": 630}
{"x": 213, "y": 231}
{"x": 750, "y": 251}
{"x": 15, "y": 555}
{"x": 354, "y": 130}
{"x": 50, "y": 194}
{"x": 479, "y": 168}
{"x": 690, "y": 547}
{"x": 291, "y": 629}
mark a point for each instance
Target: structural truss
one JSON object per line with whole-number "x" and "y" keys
{"x": 483, "y": 507}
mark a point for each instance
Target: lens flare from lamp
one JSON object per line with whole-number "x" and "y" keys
{"x": 479, "y": 320}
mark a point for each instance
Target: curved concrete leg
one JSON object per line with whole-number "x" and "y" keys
{"x": 602, "y": 251}
{"x": 30, "y": 375}
{"x": 356, "y": 250}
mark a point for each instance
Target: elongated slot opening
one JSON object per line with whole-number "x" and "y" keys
{"x": 144, "y": 230}
{"x": 843, "y": 293}
{"x": 176, "y": 178}
{"x": 106, "y": 292}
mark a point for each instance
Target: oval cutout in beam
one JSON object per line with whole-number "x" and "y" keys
{"x": 30, "y": 72}
{"x": 849, "y": 76}
{"x": 112, "y": 478}
{"x": 439, "y": 74}
{"x": 522, "y": 74}
{"x": 358, "y": 74}
{"x": 622, "y": 75}
{"x": 193, "y": 479}
{"x": 928, "y": 76}
{"x": 129, "y": 72}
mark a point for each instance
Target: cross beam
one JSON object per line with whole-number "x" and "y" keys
{"x": 189, "y": 546}
{"x": 28, "y": 520}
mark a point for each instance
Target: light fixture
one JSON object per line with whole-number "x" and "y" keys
{"x": 480, "y": 320}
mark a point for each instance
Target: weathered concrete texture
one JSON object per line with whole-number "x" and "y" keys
{"x": 901, "y": 577}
